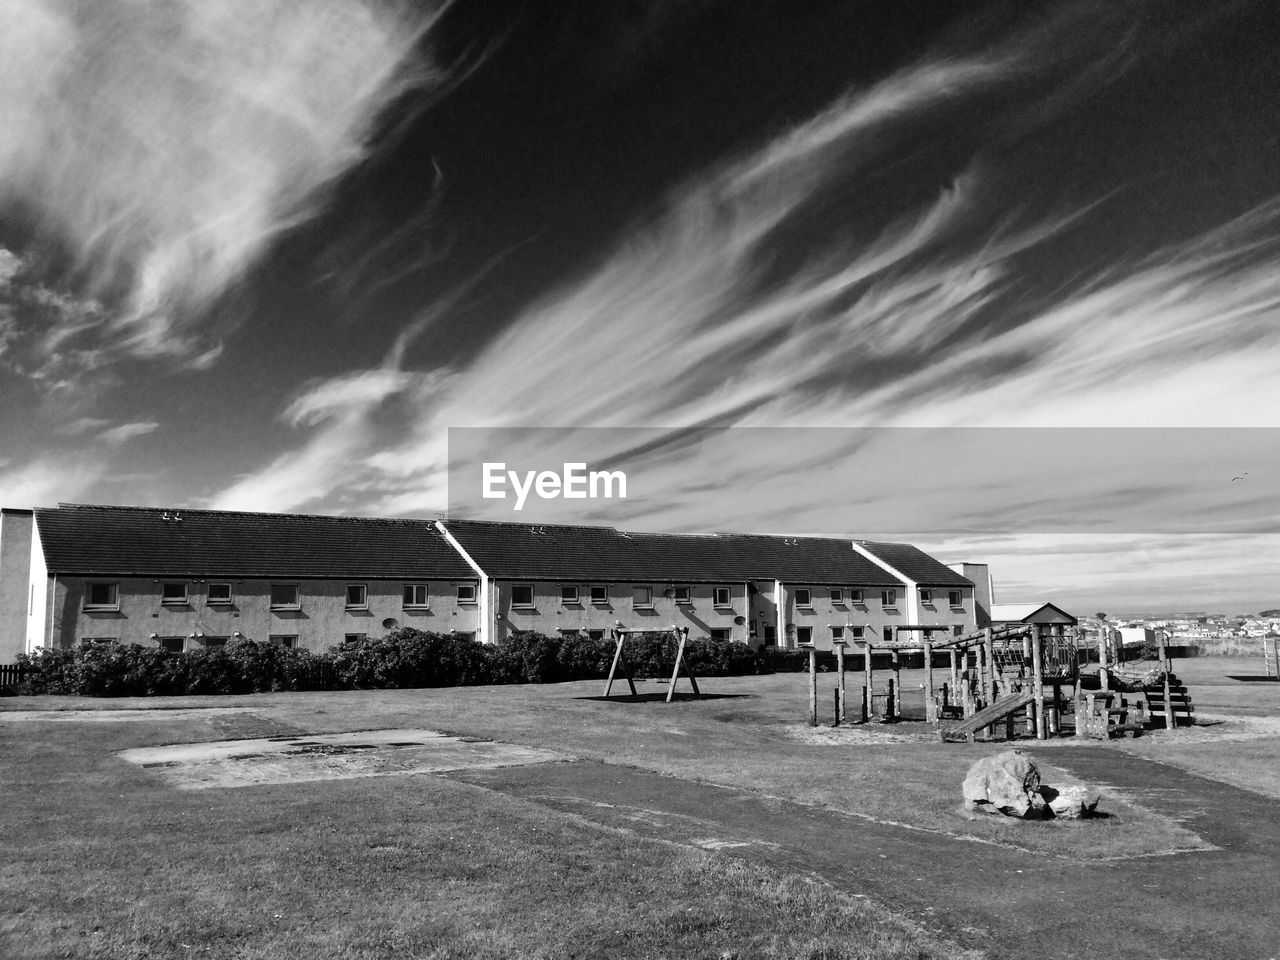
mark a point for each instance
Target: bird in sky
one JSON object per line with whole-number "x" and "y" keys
{"x": 1241, "y": 477}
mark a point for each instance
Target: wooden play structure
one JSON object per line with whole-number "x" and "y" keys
{"x": 1271, "y": 657}
{"x": 1158, "y": 696}
{"x": 679, "y": 634}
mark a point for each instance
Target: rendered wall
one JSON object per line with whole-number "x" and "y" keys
{"x": 16, "y": 531}
{"x": 322, "y": 619}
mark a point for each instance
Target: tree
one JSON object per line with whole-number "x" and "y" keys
{"x": 1101, "y": 616}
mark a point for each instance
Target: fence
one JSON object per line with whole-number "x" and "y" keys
{"x": 12, "y": 673}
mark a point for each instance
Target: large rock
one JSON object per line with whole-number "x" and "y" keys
{"x": 1006, "y": 782}
{"x": 1071, "y": 802}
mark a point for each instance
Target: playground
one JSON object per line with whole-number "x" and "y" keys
{"x": 697, "y": 825}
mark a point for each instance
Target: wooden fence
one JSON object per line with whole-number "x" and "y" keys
{"x": 12, "y": 673}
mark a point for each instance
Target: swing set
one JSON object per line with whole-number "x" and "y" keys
{"x": 680, "y": 635}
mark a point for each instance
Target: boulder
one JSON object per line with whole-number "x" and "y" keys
{"x": 1071, "y": 802}
{"x": 1006, "y": 782}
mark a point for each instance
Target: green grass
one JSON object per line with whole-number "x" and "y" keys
{"x": 99, "y": 861}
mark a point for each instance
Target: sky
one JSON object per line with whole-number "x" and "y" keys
{"x": 266, "y": 257}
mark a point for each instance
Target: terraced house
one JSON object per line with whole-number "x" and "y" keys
{"x": 193, "y": 579}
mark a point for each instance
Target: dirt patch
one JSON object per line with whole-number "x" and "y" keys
{"x": 336, "y": 756}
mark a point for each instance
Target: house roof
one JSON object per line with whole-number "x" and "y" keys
{"x": 510, "y": 551}
{"x": 108, "y": 540}
{"x": 914, "y": 564}
{"x": 1027, "y": 612}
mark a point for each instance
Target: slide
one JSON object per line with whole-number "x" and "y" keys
{"x": 987, "y": 717}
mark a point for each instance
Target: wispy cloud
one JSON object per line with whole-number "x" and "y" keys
{"x": 127, "y": 431}
{"x": 164, "y": 145}
{"x": 49, "y": 479}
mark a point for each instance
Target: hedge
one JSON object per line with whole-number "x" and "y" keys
{"x": 403, "y": 658}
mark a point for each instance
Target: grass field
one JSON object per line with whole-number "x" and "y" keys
{"x": 100, "y": 860}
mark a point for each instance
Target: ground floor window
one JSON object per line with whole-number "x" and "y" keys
{"x": 721, "y": 633}
{"x": 284, "y": 640}
{"x": 173, "y": 644}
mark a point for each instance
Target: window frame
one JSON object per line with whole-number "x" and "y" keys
{"x": 721, "y": 592}
{"x": 113, "y": 588}
{"x": 645, "y": 604}
{"x": 837, "y": 634}
{"x": 804, "y": 631}
{"x": 212, "y": 601}
{"x": 722, "y": 634}
{"x": 523, "y": 604}
{"x": 889, "y": 597}
{"x": 955, "y": 598}
{"x": 297, "y": 596}
{"x": 836, "y": 595}
{"x": 807, "y": 602}
{"x": 351, "y": 637}
{"x": 681, "y": 593}
{"x": 570, "y": 594}
{"x": 926, "y": 594}
{"x": 182, "y": 601}
{"x": 856, "y": 595}
{"x": 287, "y": 640}
{"x": 214, "y": 642}
{"x": 857, "y": 634}
{"x": 459, "y": 598}
{"x": 409, "y": 595}
{"x": 603, "y": 589}
{"x": 363, "y": 602}
{"x": 181, "y": 641}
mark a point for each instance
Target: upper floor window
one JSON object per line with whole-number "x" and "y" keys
{"x": 836, "y": 594}
{"x": 173, "y": 591}
{"x": 522, "y": 595}
{"x": 926, "y": 595}
{"x": 804, "y": 597}
{"x": 855, "y": 596}
{"x": 466, "y": 593}
{"x": 837, "y": 634}
{"x": 219, "y": 593}
{"x": 599, "y": 593}
{"x": 642, "y": 596}
{"x": 569, "y": 593}
{"x": 285, "y": 596}
{"x": 720, "y": 596}
{"x": 955, "y": 598}
{"x": 102, "y": 596}
{"x": 357, "y": 596}
{"x": 888, "y": 598}
{"x": 681, "y": 595}
{"x": 415, "y": 594}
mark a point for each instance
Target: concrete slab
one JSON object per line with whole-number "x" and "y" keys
{"x": 330, "y": 756}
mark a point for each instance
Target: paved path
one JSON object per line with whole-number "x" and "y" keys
{"x": 1213, "y": 905}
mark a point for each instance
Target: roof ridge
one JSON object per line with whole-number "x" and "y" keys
{"x": 256, "y": 514}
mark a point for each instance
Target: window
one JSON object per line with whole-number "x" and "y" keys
{"x": 357, "y": 596}
{"x": 415, "y": 594}
{"x": 102, "y": 596}
{"x": 569, "y": 594}
{"x": 857, "y": 633}
{"x": 595, "y": 634}
{"x": 219, "y": 593}
{"x": 569, "y": 632}
{"x": 720, "y": 596}
{"x": 211, "y": 643}
{"x": 468, "y": 635}
{"x": 466, "y": 593}
{"x": 289, "y": 641}
{"x": 804, "y": 597}
{"x": 804, "y": 636}
{"x": 642, "y": 596}
{"x": 855, "y": 596}
{"x": 88, "y": 642}
{"x": 173, "y": 644}
{"x": 955, "y": 598}
{"x": 173, "y": 592}
{"x": 681, "y": 595}
{"x": 285, "y": 596}
{"x": 888, "y": 598}
{"x": 599, "y": 594}
{"x": 926, "y": 595}
{"x": 837, "y": 595}
{"x": 349, "y": 638}
{"x": 837, "y": 634}
{"x": 522, "y": 595}
{"x": 721, "y": 634}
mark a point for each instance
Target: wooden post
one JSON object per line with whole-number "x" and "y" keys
{"x": 989, "y": 678}
{"x": 955, "y": 669}
{"x": 813, "y": 687}
{"x": 619, "y": 661}
{"x": 869, "y": 708}
{"x": 1104, "y": 650}
{"x": 1168, "y": 699}
{"x": 895, "y": 693}
{"x": 1037, "y": 683}
{"x": 675, "y": 672}
{"x": 840, "y": 687}
{"x": 930, "y": 707}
